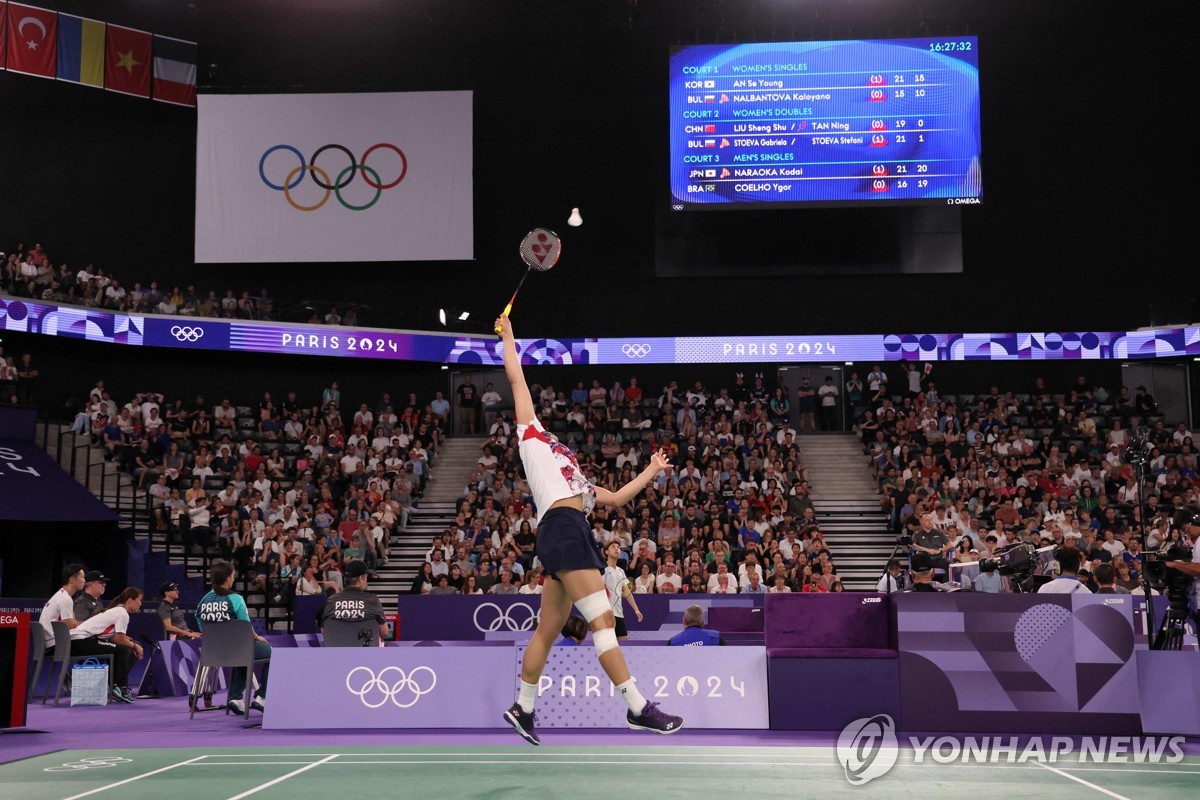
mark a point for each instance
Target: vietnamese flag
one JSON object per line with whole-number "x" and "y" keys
{"x": 32, "y": 40}
{"x": 128, "y": 61}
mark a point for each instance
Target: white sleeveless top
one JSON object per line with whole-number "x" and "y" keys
{"x": 551, "y": 470}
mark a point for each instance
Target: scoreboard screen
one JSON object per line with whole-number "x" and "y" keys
{"x": 846, "y": 123}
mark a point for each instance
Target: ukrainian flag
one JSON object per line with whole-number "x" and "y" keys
{"x": 80, "y": 50}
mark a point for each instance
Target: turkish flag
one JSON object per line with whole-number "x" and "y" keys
{"x": 32, "y": 35}
{"x": 128, "y": 63}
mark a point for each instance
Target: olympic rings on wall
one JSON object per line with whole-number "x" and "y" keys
{"x": 509, "y": 618}
{"x": 375, "y": 690}
{"x": 321, "y": 178}
{"x": 186, "y": 333}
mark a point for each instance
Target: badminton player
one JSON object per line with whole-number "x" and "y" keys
{"x": 618, "y": 586}
{"x": 570, "y": 557}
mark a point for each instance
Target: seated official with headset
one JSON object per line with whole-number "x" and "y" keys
{"x": 693, "y": 633}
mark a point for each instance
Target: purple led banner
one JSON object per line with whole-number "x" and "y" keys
{"x": 320, "y": 340}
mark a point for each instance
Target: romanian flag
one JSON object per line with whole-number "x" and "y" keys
{"x": 32, "y": 35}
{"x": 174, "y": 71}
{"x": 80, "y": 50}
{"x": 127, "y": 61}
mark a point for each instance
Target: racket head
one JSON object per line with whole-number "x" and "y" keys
{"x": 540, "y": 249}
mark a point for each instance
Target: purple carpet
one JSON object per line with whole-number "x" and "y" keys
{"x": 164, "y": 723}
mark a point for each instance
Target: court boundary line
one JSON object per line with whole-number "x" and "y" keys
{"x": 134, "y": 778}
{"x": 1080, "y": 780}
{"x": 283, "y": 778}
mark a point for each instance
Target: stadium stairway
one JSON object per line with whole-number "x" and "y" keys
{"x": 457, "y": 457}
{"x": 847, "y": 508}
{"x": 117, "y": 489}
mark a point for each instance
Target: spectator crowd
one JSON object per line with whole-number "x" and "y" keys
{"x": 287, "y": 490}
{"x": 1040, "y": 467}
{"x": 30, "y": 273}
{"x": 732, "y": 515}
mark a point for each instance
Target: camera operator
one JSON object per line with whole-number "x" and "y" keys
{"x": 932, "y": 541}
{"x": 1067, "y": 581}
{"x": 1191, "y": 526}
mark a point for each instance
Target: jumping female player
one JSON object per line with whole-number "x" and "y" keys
{"x": 571, "y": 558}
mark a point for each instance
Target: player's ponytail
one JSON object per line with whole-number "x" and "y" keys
{"x": 130, "y": 593}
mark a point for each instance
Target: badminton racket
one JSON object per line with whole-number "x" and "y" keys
{"x": 540, "y": 250}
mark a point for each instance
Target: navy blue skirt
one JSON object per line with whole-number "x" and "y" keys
{"x": 565, "y": 542}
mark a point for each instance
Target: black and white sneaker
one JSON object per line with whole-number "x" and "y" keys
{"x": 119, "y": 696}
{"x": 654, "y": 719}
{"x": 522, "y": 723}
{"x": 237, "y": 706}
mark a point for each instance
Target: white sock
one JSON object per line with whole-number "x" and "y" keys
{"x": 632, "y": 696}
{"x": 527, "y": 697}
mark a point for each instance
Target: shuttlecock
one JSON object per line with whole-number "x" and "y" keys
{"x": 575, "y": 220}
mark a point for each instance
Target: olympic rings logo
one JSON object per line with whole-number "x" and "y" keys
{"x": 321, "y": 177}
{"x": 186, "y": 333}
{"x": 95, "y": 762}
{"x": 635, "y": 350}
{"x": 506, "y": 618}
{"x": 375, "y": 690}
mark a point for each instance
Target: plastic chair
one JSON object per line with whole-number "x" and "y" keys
{"x": 63, "y": 657}
{"x": 351, "y": 633}
{"x": 225, "y": 645}
{"x": 37, "y": 644}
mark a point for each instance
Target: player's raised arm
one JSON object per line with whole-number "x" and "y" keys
{"x": 522, "y": 402}
{"x": 658, "y": 462}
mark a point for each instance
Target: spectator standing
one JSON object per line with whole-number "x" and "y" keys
{"x": 828, "y": 394}
{"x": 467, "y": 395}
{"x": 491, "y": 401}
{"x": 806, "y": 406}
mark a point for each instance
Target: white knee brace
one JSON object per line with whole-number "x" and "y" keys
{"x": 604, "y": 640}
{"x": 594, "y": 605}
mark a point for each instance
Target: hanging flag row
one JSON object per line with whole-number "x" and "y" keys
{"x": 47, "y": 44}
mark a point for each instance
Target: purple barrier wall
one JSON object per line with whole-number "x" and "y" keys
{"x": 829, "y": 625}
{"x": 1169, "y": 691}
{"x": 462, "y": 617}
{"x": 710, "y": 687}
{"x": 1018, "y": 663}
{"x": 416, "y": 687}
{"x": 390, "y": 687}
